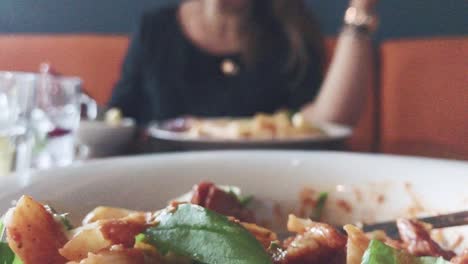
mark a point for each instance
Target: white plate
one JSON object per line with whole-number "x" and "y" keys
{"x": 334, "y": 133}
{"x": 148, "y": 182}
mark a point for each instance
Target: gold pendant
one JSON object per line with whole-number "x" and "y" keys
{"x": 229, "y": 67}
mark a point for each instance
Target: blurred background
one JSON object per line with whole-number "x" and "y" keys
{"x": 400, "y": 18}
{"x": 418, "y": 103}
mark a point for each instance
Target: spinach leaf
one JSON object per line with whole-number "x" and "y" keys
{"x": 17, "y": 260}
{"x": 316, "y": 214}
{"x": 246, "y": 200}
{"x": 60, "y": 218}
{"x": 205, "y": 237}
{"x": 2, "y": 227}
{"x": 380, "y": 253}
{"x": 140, "y": 238}
{"x": 7, "y": 256}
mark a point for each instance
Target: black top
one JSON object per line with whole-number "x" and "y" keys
{"x": 165, "y": 75}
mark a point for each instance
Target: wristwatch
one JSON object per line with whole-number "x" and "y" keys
{"x": 360, "y": 20}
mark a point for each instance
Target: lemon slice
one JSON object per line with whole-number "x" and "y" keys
{"x": 113, "y": 116}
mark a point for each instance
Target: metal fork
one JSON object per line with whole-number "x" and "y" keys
{"x": 391, "y": 229}
{"x": 437, "y": 222}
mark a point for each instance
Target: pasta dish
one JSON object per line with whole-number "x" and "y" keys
{"x": 281, "y": 125}
{"x": 210, "y": 225}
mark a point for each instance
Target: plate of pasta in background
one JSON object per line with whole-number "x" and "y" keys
{"x": 281, "y": 130}
{"x": 239, "y": 207}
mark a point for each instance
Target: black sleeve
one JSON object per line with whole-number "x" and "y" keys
{"x": 127, "y": 93}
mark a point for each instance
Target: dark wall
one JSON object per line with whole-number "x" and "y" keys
{"x": 400, "y": 18}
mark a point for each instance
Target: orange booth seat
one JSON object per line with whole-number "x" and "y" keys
{"x": 97, "y": 60}
{"x": 420, "y": 108}
{"x": 424, "y": 97}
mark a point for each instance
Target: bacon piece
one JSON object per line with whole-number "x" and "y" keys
{"x": 211, "y": 197}
{"x": 121, "y": 232}
{"x": 100, "y": 235}
{"x": 263, "y": 235}
{"x": 200, "y": 193}
{"x": 418, "y": 240}
{"x": 316, "y": 243}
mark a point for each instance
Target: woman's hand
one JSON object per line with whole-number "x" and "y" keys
{"x": 366, "y": 5}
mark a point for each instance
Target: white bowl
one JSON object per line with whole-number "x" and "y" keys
{"x": 105, "y": 139}
{"x": 378, "y": 187}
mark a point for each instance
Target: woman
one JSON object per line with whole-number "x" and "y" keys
{"x": 240, "y": 57}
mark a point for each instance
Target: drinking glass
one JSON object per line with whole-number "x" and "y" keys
{"x": 16, "y": 101}
{"x": 56, "y": 118}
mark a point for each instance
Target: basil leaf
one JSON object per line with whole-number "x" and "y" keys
{"x": 246, "y": 200}
{"x": 206, "y": 237}
{"x": 2, "y": 227}
{"x": 17, "y": 260}
{"x": 60, "y": 218}
{"x": 140, "y": 238}
{"x": 380, "y": 253}
{"x": 316, "y": 214}
{"x": 6, "y": 254}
